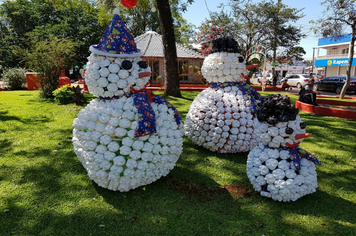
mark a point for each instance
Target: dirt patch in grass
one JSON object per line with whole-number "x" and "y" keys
{"x": 204, "y": 192}
{"x": 238, "y": 191}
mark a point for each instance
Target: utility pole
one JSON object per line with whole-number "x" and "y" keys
{"x": 313, "y": 66}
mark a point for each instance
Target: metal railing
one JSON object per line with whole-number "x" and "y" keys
{"x": 334, "y": 56}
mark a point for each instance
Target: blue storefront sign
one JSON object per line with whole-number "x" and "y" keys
{"x": 334, "y": 62}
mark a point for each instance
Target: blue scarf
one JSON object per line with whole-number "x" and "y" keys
{"x": 146, "y": 116}
{"x": 297, "y": 154}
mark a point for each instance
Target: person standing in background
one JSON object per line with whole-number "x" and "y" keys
{"x": 274, "y": 79}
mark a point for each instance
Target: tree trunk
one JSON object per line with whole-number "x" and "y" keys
{"x": 169, "y": 49}
{"x": 351, "y": 56}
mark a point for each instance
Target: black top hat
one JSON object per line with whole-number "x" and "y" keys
{"x": 227, "y": 44}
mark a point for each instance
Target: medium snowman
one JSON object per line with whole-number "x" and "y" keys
{"x": 127, "y": 137}
{"x": 221, "y": 117}
{"x": 278, "y": 168}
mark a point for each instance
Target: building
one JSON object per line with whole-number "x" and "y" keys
{"x": 333, "y": 55}
{"x": 283, "y": 68}
{"x": 151, "y": 45}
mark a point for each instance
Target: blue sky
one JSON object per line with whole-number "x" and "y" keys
{"x": 198, "y": 11}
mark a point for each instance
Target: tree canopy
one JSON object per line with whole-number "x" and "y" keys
{"x": 145, "y": 17}
{"x": 48, "y": 58}
{"x": 266, "y": 23}
{"x": 23, "y": 21}
{"x": 339, "y": 17}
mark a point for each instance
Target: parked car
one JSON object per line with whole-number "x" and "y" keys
{"x": 317, "y": 76}
{"x": 256, "y": 75}
{"x": 335, "y": 83}
{"x": 297, "y": 80}
{"x": 269, "y": 79}
{"x": 288, "y": 74}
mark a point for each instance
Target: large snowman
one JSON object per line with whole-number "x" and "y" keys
{"x": 221, "y": 117}
{"x": 278, "y": 168}
{"x": 126, "y": 137}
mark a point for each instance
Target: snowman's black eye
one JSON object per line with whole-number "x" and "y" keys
{"x": 302, "y": 125}
{"x": 241, "y": 59}
{"x": 289, "y": 130}
{"x": 142, "y": 64}
{"x": 127, "y": 65}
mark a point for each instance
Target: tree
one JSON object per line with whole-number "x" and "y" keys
{"x": 252, "y": 20}
{"x": 296, "y": 53}
{"x": 219, "y": 25}
{"x": 48, "y": 58}
{"x": 169, "y": 48}
{"x": 264, "y": 23}
{"x": 281, "y": 31}
{"x": 144, "y": 17}
{"x": 339, "y": 15}
{"x": 17, "y": 19}
{"x": 24, "y": 20}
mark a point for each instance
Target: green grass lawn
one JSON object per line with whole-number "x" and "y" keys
{"x": 44, "y": 190}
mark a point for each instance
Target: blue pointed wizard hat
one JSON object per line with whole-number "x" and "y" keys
{"x": 117, "y": 40}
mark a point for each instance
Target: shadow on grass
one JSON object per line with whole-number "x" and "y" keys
{"x": 183, "y": 203}
{"x": 5, "y": 117}
{"x": 5, "y": 145}
{"x": 33, "y": 120}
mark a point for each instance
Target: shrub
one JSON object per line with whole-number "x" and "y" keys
{"x": 14, "y": 78}
{"x": 63, "y": 95}
{"x": 49, "y": 57}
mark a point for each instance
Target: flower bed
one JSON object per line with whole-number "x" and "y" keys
{"x": 327, "y": 111}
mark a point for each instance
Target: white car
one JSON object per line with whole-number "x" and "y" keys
{"x": 269, "y": 79}
{"x": 297, "y": 80}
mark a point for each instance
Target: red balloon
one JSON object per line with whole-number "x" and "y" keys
{"x": 129, "y": 3}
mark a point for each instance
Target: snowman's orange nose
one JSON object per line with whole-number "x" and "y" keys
{"x": 300, "y": 136}
{"x": 144, "y": 74}
{"x": 249, "y": 67}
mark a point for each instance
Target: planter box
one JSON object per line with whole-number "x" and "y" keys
{"x": 32, "y": 81}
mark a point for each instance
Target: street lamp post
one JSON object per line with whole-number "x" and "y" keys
{"x": 313, "y": 66}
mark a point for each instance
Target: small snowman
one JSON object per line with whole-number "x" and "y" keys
{"x": 127, "y": 137}
{"x": 278, "y": 168}
{"x": 221, "y": 117}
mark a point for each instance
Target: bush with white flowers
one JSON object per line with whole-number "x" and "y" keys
{"x": 104, "y": 141}
{"x": 110, "y": 76}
